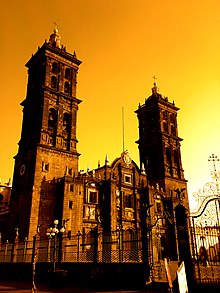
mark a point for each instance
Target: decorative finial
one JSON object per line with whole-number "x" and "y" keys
{"x": 55, "y": 37}
{"x": 155, "y": 88}
{"x": 106, "y": 160}
{"x": 143, "y": 169}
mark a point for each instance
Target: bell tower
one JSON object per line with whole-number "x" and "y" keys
{"x": 159, "y": 143}
{"x": 48, "y": 143}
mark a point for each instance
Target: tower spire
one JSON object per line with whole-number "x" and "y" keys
{"x": 123, "y": 131}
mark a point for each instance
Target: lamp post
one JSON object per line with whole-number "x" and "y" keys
{"x": 120, "y": 242}
{"x": 52, "y": 232}
{"x": 34, "y": 257}
{"x": 79, "y": 234}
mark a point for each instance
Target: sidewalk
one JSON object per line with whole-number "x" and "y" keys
{"x": 24, "y": 287}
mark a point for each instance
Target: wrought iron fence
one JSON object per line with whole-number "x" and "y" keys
{"x": 113, "y": 247}
{"x": 205, "y": 249}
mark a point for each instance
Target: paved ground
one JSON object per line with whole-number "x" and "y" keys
{"x": 16, "y": 287}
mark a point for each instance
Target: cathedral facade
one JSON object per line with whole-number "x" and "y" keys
{"x": 118, "y": 196}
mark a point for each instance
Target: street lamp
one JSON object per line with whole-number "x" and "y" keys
{"x": 120, "y": 241}
{"x": 52, "y": 232}
{"x": 34, "y": 257}
{"x": 79, "y": 234}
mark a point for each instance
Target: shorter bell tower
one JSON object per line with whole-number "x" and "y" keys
{"x": 159, "y": 143}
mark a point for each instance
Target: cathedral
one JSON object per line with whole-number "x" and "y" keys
{"x": 150, "y": 197}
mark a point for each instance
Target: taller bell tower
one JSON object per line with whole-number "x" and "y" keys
{"x": 48, "y": 143}
{"x": 159, "y": 143}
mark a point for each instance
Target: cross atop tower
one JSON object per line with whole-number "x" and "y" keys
{"x": 55, "y": 24}
{"x": 155, "y": 80}
{"x": 215, "y": 174}
{"x": 213, "y": 159}
{"x": 155, "y": 88}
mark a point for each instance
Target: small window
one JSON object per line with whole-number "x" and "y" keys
{"x": 127, "y": 179}
{"x": 69, "y": 234}
{"x": 176, "y": 158}
{"x": 173, "y": 130}
{"x": 66, "y": 122}
{"x": 168, "y": 156}
{"x": 92, "y": 196}
{"x": 158, "y": 207}
{"x": 70, "y": 204}
{"x": 45, "y": 167}
{"x": 66, "y": 87}
{"x": 67, "y": 73}
{"x": 52, "y": 118}
{"x": 53, "y": 82}
{"x": 172, "y": 118}
{"x": 55, "y": 68}
{"x": 71, "y": 187}
{"x": 70, "y": 171}
{"x": 165, "y": 115}
{"x": 165, "y": 126}
{"x": 128, "y": 201}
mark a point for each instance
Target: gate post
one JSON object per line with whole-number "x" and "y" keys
{"x": 15, "y": 245}
{"x": 182, "y": 225}
{"x": 95, "y": 241}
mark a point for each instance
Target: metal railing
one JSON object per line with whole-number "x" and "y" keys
{"x": 114, "y": 247}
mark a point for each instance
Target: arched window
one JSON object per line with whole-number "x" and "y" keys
{"x": 128, "y": 239}
{"x": 165, "y": 115}
{"x": 130, "y": 245}
{"x": 165, "y": 126}
{"x": 168, "y": 155}
{"x": 169, "y": 160}
{"x": 172, "y": 118}
{"x": 173, "y": 129}
{"x": 52, "y": 118}
{"x": 66, "y": 122}
{"x": 176, "y": 158}
{"x": 53, "y": 82}
{"x": 55, "y": 68}
{"x": 66, "y": 87}
{"x": 67, "y": 73}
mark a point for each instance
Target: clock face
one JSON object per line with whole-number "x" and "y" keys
{"x": 22, "y": 169}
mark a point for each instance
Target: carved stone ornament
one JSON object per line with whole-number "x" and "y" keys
{"x": 126, "y": 157}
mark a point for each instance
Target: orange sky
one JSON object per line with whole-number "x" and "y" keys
{"x": 123, "y": 44}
